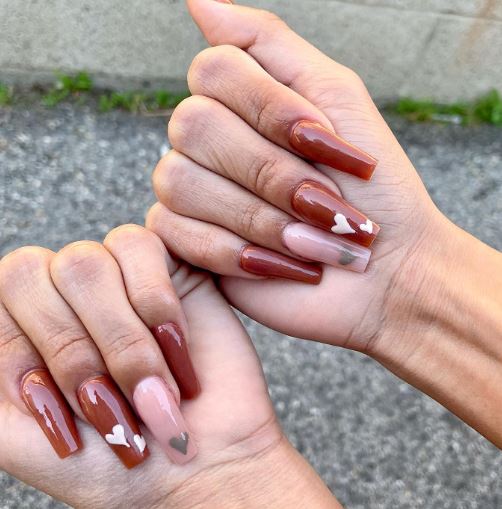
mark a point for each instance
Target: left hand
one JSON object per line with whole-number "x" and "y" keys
{"x": 85, "y": 312}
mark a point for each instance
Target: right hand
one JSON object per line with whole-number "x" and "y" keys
{"x": 231, "y": 181}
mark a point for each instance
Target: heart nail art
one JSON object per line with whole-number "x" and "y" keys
{"x": 367, "y": 227}
{"x": 140, "y": 442}
{"x": 342, "y": 226}
{"x": 180, "y": 443}
{"x": 117, "y": 437}
{"x": 346, "y": 258}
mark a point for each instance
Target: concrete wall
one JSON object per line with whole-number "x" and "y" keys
{"x": 443, "y": 49}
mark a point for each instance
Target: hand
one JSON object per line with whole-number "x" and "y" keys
{"x": 264, "y": 100}
{"x": 75, "y": 339}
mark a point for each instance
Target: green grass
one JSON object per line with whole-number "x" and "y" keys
{"x": 67, "y": 86}
{"x": 487, "y": 109}
{"x": 5, "y": 95}
{"x": 146, "y": 102}
{"x": 79, "y": 86}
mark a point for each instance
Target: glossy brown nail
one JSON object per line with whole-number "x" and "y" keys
{"x": 175, "y": 350}
{"x": 319, "y": 206}
{"x": 109, "y": 412}
{"x": 263, "y": 262}
{"x": 50, "y": 409}
{"x": 321, "y": 145}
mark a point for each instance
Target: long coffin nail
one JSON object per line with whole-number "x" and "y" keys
{"x": 45, "y": 401}
{"x": 320, "y": 207}
{"x": 110, "y": 413}
{"x": 263, "y": 262}
{"x": 175, "y": 350}
{"x": 314, "y": 244}
{"x": 321, "y": 145}
{"x": 157, "y": 408}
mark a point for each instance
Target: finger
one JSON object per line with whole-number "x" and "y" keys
{"x": 214, "y": 137}
{"x": 186, "y": 188}
{"x": 65, "y": 345}
{"x": 154, "y": 299}
{"x": 26, "y": 383}
{"x": 215, "y": 249}
{"x": 279, "y": 50}
{"x": 333, "y": 88}
{"x": 273, "y": 109}
{"x": 90, "y": 280}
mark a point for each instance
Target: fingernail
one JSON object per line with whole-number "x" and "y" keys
{"x": 321, "y": 145}
{"x": 224, "y": 1}
{"x": 263, "y": 262}
{"x": 157, "y": 408}
{"x": 321, "y": 207}
{"x": 310, "y": 242}
{"x": 109, "y": 412}
{"x": 175, "y": 350}
{"x": 45, "y": 401}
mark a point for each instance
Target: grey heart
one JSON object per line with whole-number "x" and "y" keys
{"x": 346, "y": 258}
{"x": 180, "y": 443}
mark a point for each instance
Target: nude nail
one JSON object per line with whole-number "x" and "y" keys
{"x": 321, "y": 145}
{"x": 109, "y": 412}
{"x": 321, "y": 207}
{"x": 264, "y": 262}
{"x": 158, "y": 409}
{"x": 315, "y": 244}
{"x": 50, "y": 409}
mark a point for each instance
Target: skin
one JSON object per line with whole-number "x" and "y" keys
{"x": 429, "y": 305}
{"x": 387, "y": 313}
{"x": 240, "y": 443}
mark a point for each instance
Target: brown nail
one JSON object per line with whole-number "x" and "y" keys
{"x": 264, "y": 262}
{"x": 175, "y": 350}
{"x": 50, "y": 409}
{"x": 109, "y": 412}
{"x": 321, "y": 145}
{"x": 319, "y": 206}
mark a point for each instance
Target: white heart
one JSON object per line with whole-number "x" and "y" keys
{"x": 140, "y": 442}
{"x": 117, "y": 437}
{"x": 342, "y": 226}
{"x": 367, "y": 227}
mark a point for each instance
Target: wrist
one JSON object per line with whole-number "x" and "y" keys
{"x": 445, "y": 327}
{"x": 277, "y": 477}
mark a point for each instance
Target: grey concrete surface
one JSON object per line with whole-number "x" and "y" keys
{"x": 446, "y": 50}
{"x": 68, "y": 174}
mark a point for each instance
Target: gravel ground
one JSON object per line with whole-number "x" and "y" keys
{"x": 69, "y": 174}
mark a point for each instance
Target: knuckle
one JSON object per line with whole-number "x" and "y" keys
{"x": 146, "y": 295}
{"x": 130, "y": 344}
{"x": 250, "y": 217}
{"x": 205, "y": 249}
{"x": 190, "y": 118}
{"x": 79, "y": 261}
{"x": 23, "y": 265}
{"x": 169, "y": 176}
{"x": 154, "y": 217}
{"x": 262, "y": 174}
{"x": 66, "y": 343}
{"x": 9, "y": 336}
{"x": 211, "y": 64}
{"x": 127, "y": 235}
{"x": 264, "y": 103}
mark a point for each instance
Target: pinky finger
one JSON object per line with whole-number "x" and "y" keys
{"x": 218, "y": 250}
